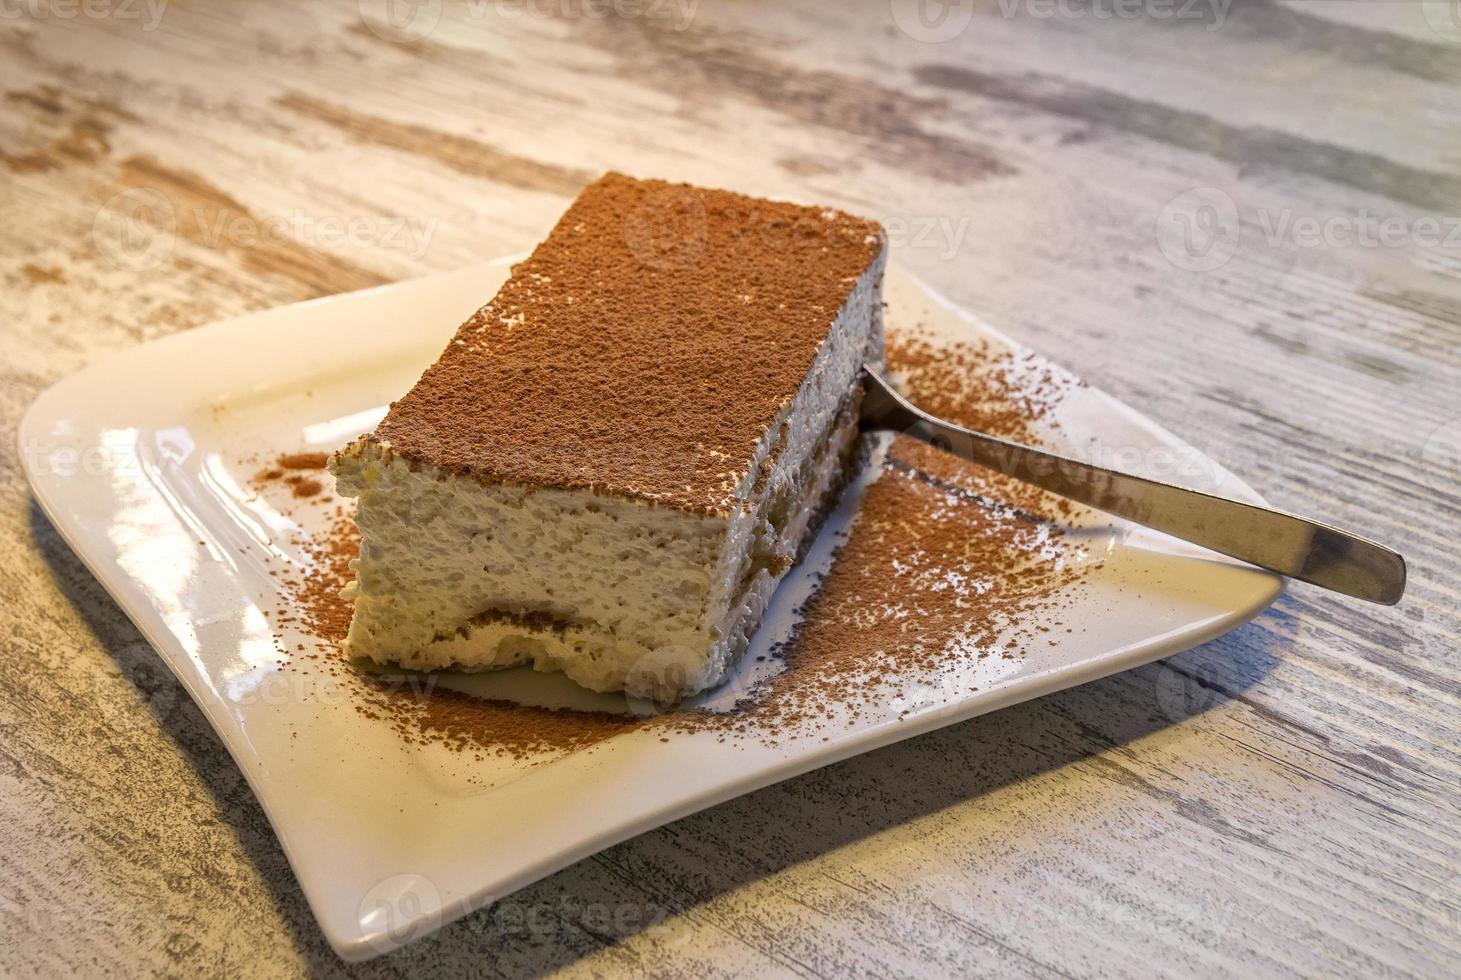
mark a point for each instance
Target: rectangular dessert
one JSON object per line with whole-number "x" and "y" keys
{"x": 614, "y": 462}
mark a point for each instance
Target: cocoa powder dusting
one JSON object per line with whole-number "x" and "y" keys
{"x": 945, "y": 565}
{"x": 644, "y": 347}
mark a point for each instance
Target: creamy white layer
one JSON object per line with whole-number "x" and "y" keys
{"x": 616, "y": 593}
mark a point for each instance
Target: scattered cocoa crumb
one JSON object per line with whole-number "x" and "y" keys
{"x": 303, "y": 461}
{"x": 942, "y": 569}
{"x": 307, "y": 488}
{"x": 37, "y": 274}
{"x": 287, "y": 467}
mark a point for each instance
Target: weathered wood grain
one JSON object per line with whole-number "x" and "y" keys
{"x": 1283, "y": 800}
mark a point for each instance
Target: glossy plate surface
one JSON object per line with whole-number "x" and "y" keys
{"x": 143, "y": 462}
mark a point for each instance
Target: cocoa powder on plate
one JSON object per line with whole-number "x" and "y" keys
{"x": 945, "y": 565}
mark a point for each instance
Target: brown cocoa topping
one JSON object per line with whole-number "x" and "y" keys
{"x": 643, "y": 349}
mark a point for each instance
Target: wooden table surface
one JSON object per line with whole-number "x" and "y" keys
{"x": 1242, "y": 218}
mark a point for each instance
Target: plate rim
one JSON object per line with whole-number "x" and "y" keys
{"x": 130, "y": 594}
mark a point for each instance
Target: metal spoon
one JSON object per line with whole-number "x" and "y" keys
{"x": 1271, "y": 539}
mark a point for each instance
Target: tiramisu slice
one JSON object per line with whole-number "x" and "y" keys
{"x": 615, "y": 461}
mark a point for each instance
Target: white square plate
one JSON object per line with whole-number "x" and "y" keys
{"x": 142, "y": 463}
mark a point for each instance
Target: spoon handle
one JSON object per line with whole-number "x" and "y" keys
{"x": 1284, "y": 543}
